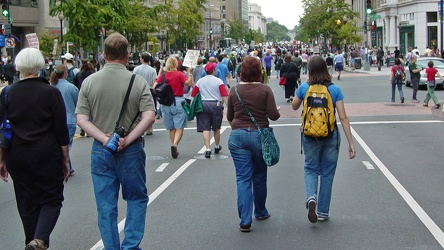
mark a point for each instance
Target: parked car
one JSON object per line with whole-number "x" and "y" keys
{"x": 422, "y": 62}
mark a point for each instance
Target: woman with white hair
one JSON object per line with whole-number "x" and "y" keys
{"x": 37, "y": 158}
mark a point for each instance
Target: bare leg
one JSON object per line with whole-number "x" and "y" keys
{"x": 177, "y": 136}
{"x": 217, "y": 137}
{"x": 172, "y": 135}
{"x": 206, "y": 138}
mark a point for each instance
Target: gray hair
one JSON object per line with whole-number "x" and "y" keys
{"x": 29, "y": 61}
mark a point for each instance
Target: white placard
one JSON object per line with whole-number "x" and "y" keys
{"x": 54, "y": 48}
{"x": 33, "y": 40}
{"x": 191, "y": 58}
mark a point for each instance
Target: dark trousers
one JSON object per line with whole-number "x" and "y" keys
{"x": 38, "y": 186}
{"x": 290, "y": 88}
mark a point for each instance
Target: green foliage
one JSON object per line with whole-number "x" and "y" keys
{"x": 254, "y": 35}
{"x": 236, "y": 29}
{"x": 46, "y": 43}
{"x": 277, "y": 32}
{"x": 320, "y": 20}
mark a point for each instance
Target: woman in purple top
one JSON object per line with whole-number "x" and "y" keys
{"x": 267, "y": 60}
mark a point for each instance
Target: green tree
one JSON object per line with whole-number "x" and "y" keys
{"x": 320, "y": 21}
{"x": 85, "y": 18}
{"x": 46, "y": 43}
{"x": 236, "y": 29}
{"x": 277, "y": 32}
{"x": 254, "y": 35}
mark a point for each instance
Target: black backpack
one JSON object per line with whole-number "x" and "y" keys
{"x": 164, "y": 93}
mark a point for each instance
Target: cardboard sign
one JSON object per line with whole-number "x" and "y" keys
{"x": 191, "y": 58}
{"x": 33, "y": 40}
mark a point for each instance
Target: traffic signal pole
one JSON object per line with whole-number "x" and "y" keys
{"x": 368, "y": 11}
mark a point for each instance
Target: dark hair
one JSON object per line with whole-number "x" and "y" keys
{"x": 145, "y": 57}
{"x": 287, "y": 58}
{"x": 57, "y": 73}
{"x": 397, "y": 61}
{"x": 317, "y": 71}
{"x": 430, "y": 64}
{"x": 219, "y": 57}
{"x": 251, "y": 69}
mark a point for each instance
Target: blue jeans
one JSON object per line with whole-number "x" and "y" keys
{"x": 397, "y": 83}
{"x": 127, "y": 169}
{"x": 251, "y": 173}
{"x": 72, "y": 131}
{"x": 321, "y": 159}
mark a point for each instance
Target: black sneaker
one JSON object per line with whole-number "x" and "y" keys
{"x": 218, "y": 149}
{"x": 437, "y": 106}
{"x": 402, "y": 99}
{"x": 207, "y": 154}
{"x": 312, "y": 216}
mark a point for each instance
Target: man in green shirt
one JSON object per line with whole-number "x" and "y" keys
{"x": 414, "y": 76}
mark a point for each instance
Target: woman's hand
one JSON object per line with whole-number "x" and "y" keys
{"x": 351, "y": 151}
{"x": 66, "y": 172}
{"x": 3, "y": 171}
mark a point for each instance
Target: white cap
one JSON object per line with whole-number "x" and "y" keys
{"x": 68, "y": 56}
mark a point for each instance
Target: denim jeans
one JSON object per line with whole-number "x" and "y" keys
{"x": 127, "y": 169}
{"x": 397, "y": 83}
{"x": 72, "y": 131}
{"x": 321, "y": 159}
{"x": 251, "y": 173}
{"x": 415, "y": 86}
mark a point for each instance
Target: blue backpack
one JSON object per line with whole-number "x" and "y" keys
{"x": 70, "y": 77}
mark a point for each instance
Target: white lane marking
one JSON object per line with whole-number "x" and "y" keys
{"x": 368, "y": 165}
{"x": 203, "y": 149}
{"x": 153, "y": 196}
{"x": 351, "y": 123}
{"x": 161, "y": 167}
{"x": 417, "y": 209}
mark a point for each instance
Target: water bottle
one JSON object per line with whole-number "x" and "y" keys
{"x": 112, "y": 144}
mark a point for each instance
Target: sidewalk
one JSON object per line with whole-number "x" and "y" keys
{"x": 373, "y": 70}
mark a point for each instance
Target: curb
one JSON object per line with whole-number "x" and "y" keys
{"x": 438, "y": 113}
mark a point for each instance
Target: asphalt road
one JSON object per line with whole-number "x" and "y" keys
{"x": 389, "y": 197}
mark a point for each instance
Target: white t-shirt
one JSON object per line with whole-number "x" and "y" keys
{"x": 209, "y": 88}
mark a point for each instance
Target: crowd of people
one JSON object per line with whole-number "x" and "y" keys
{"x": 119, "y": 118}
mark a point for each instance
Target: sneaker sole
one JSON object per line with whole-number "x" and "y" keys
{"x": 174, "y": 152}
{"x": 312, "y": 216}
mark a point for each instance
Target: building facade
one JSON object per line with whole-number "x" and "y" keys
{"x": 256, "y": 20}
{"x": 406, "y": 23}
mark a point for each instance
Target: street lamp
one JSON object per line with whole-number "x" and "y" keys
{"x": 61, "y": 17}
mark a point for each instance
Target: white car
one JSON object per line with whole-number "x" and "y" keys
{"x": 422, "y": 62}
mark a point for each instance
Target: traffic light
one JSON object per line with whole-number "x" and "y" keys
{"x": 211, "y": 31}
{"x": 368, "y": 8}
{"x": 5, "y": 8}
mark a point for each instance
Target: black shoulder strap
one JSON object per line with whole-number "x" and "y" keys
{"x": 126, "y": 99}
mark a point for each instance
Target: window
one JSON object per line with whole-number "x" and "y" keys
{"x": 432, "y": 35}
{"x": 432, "y": 17}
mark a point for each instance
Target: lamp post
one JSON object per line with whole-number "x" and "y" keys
{"x": 61, "y": 17}
{"x": 210, "y": 31}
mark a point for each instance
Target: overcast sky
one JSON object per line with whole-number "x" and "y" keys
{"x": 285, "y": 12}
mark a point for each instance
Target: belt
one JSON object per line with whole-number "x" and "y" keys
{"x": 210, "y": 100}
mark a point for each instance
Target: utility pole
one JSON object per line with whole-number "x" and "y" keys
{"x": 441, "y": 28}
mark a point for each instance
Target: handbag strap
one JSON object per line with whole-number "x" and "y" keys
{"x": 5, "y": 96}
{"x": 246, "y": 109}
{"x": 126, "y": 99}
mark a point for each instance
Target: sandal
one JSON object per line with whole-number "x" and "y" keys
{"x": 36, "y": 244}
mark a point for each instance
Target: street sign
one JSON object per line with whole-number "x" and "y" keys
{"x": 375, "y": 17}
{"x": 8, "y": 28}
{"x": 9, "y": 43}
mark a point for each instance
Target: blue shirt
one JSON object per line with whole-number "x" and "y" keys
{"x": 335, "y": 92}
{"x": 223, "y": 72}
{"x": 267, "y": 60}
{"x": 338, "y": 58}
{"x": 205, "y": 73}
{"x": 70, "y": 94}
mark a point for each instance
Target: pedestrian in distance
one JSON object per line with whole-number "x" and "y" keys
{"x": 213, "y": 94}
{"x": 38, "y": 156}
{"x": 380, "y": 58}
{"x": 290, "y": 71}
{"x": 396, "y": 80}
{"x": 117, "y": 156}
{"x": 329, "y": 62}
{"x": 277, "y": 65}
{"x": 68, "y": 60}
{"x": 430, "y": 74}
{"x": 321, "y": 156}
{"x": 339, "y": 63}
{"x": 174, "y": 116}
{"x": 70, "y": 95}
{"x": 415, "y": 75}
{"x": 9, "y": 72}
{"x": 244, "y": 141}
{"x": 149, "y": 74}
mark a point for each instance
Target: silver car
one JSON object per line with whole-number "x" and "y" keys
{"x": 422, "y": 62}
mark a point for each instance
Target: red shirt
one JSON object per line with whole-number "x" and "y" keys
{"x": 176, "y": 80}
{"x": 394, "y": 69}
{"x": 431, "y": 72}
